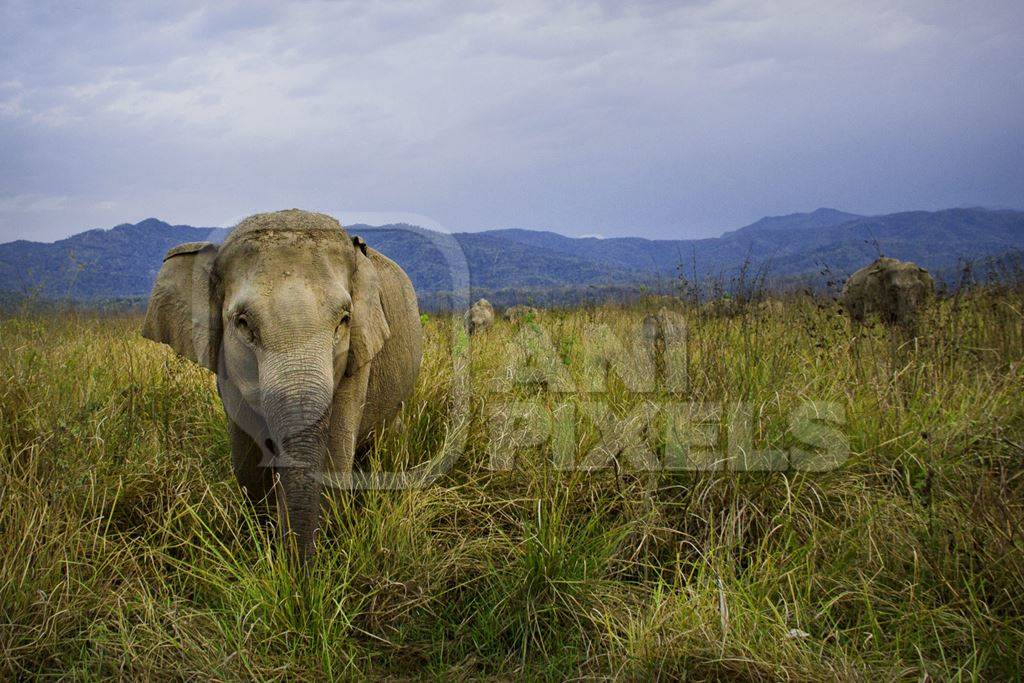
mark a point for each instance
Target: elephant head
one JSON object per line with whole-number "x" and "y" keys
{"x": 480, "y": 316}
{"x": 285, "y": 312}
{"x": 904, "y": 288}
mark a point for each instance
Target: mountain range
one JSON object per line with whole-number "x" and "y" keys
{"x": 516, "y": 265}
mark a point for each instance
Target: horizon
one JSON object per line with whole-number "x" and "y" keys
{"x": 656, "y": 121}
{"x": 406, "y": 219}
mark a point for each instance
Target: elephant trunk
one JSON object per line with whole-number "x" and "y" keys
{"x": 906, "y": 311}
{"x": 297, "y": 405}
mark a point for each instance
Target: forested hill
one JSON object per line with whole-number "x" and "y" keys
{"x": 123, "y": 261}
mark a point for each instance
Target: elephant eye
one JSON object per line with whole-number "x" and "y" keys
{"x": 242, "y": 323}
{"x": 337, "y": 330}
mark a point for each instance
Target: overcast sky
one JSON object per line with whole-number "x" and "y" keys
{"x": 663, "y": 119}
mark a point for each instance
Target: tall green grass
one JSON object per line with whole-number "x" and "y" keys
{"x": 129, "y": 553}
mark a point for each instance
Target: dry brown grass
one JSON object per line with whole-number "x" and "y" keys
{"x": 129, "y": 552}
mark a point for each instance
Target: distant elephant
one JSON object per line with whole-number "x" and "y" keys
{"x": 664, "y": 333}
{"x": 895, "y": 290}
{"x": 480, "y": 316}
{"x": 519, "y": 312}
{"x": 723, "y": 307}
{"x": 663, "y": 327}
{"x": 315, "y": 340}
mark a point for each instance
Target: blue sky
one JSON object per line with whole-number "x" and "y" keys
{"x": 660, "y": 119}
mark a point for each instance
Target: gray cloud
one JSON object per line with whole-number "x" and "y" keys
{"x": 659, "y": 119}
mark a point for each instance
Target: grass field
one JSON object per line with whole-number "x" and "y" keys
{"x": 128, "y": 551}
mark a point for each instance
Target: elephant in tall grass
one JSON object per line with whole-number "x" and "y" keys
{"x": 480, "y": 316}
{"x": 895, "y": 290}
{"x": 315, "y": 340}
{"x": 520, "y": 312}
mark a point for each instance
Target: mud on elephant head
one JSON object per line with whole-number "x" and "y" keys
{"x": 315, "y": 339}
{"x": 895, "y": 290}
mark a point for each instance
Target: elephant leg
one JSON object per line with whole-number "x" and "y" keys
{"x": 255, "y": 479}
{"x": 908, "y": 326}
{"x": 346, "y": 418}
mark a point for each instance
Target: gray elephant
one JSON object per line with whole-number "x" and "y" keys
{"x": 480, "y": 316}
{"x": 520, "y": 312}
{"x": 315, "y": 340}
{"x": 895, "y": 290}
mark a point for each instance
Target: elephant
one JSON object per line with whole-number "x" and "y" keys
{"x": 480, "y": 316}
{"x": 315, "y": 340}
{"x": 895, "y": 290}
{"x": 723, "y": 307}
{"x": 665, "y": 335}
{"x": 519, "y": 312}
{"x": 663, "y": 328}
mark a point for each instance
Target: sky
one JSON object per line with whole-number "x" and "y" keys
{"x": 657, "y": 119}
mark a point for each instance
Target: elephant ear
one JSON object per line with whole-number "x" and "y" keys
{"x": 369, "y": 324}
{"x": 181, "y": 312}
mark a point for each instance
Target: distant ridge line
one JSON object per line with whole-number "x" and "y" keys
{"x": 121, "y": 262}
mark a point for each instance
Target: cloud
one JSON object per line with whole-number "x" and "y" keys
{"x": 31, "y": 203}
{"x": 660, "y": 118}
